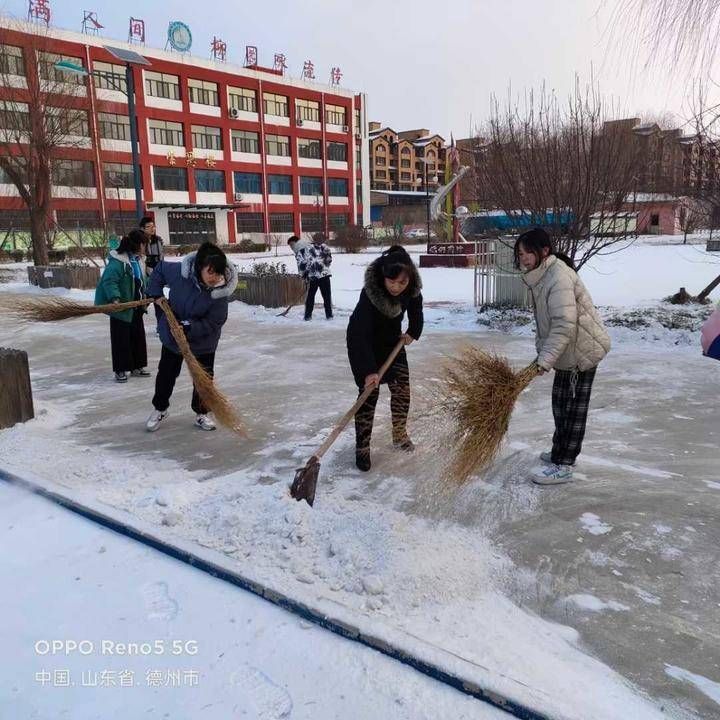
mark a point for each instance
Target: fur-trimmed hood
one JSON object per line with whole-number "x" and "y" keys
{"x": 380, "y": 298}
{"x": 120, "y": 257}
{"x": 187, "y": 270}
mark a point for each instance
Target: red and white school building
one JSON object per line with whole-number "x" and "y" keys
{"x": 227, "y": 152}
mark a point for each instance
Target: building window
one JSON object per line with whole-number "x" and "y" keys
{"x": 405, "y": 176}
{"x": 307, "y": 110}
{"x": 203, "y": 92}
{"x": 170, "y": 178}
{"x": 73, "y": 173}
{"x": 242, "y": 99}
{"x": 248, "y": 183}
{"x": 48, "y": 71}
{"x": 112, "y": 78}
{"x": 118, "y": 175}
{"x": 162, "y": 85}
{"x": 311, "y": 186}
{"x": 20, "y": 166}
{"x": 14, "y": 116}
{"x": 275, "y": 105}
{"x": 380, "y": 149}
{"x": 250, "y": 222}
{"x": 358, "y": 195}
{"x": 312, "y": 222}
{"x": 209, "y": 180}
{"x": 430, "y": 155}
{"x": 206, "y": 138}
{"x": 358, "y": 157}
{"x": 165, "y": 132}
{"x": 380, "y": 174}
{"x": 336, "y": 220}
{"x": 279, "y": 185}
{"x": 309, "y": 149}
{"x": 113, "y": 127}
{"x": 11, "y": 60}
{"x": 337, "y": 151}
{"x": 84, "y": 219}
{"x": 405, "y": 163}
{"x": 337, "y": 187}
{"x": 358, "y": 129}
{"x": 67, "y": 122}
{"x": 405, "y": 151}
{"x": 277, "y": 145}
{"x": 281, "y": 222}
{"x": 245, "y": 141}
{"x": 380, "y": 161}
{"x": 335, "y": 115}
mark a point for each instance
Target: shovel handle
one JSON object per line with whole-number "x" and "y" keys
{"x": 350, "y": 414}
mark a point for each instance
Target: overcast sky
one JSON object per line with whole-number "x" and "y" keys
{"x": 424, "y": 63}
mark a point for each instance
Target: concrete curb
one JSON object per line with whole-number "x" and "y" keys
{"x": 210, "y": 562}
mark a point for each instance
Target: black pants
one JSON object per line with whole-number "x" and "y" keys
{"x": 570, "y": 404}
{"x": 127, "y": 343}
{"x": 168, "y": 371}
{"x": 398, "y": 380}
{"x": 313, "y": 285}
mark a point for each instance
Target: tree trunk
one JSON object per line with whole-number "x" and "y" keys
{"x": 16, "y": 403}
{"x": 38, "y": 236}
{"x": 709, "y": 289}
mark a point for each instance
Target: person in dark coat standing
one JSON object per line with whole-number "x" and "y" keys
{"x": 155, "y": 252}
{"x": 314, "y": 265}
{"x": 123, "y": 280}
{"x": 392, "y": 288}
{"x": 200, "y": 289}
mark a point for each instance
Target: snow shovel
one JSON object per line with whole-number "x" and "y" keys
{"x": 303, "y": 487}
{"x": 297, "y": 300}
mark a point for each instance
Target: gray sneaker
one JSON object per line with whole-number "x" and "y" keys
{"x": 121, "y": 377}
{"x": 553, "y": 475}
{"x": 153, "y": 422}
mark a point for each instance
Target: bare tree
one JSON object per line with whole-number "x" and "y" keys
{"x": 43, "y": 114}
{"x": 562, "y": 166}
{"x": 676, "y": 31}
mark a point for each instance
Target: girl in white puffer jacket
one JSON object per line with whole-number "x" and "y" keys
{"x": 571, "y": 339}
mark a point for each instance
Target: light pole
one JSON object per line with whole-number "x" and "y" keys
{"x": 426, "y": 162}
{"x": 130, "y": 58}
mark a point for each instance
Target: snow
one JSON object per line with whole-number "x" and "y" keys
{"x": 395, "y": 552}
{"x": 594, "y": 604}
{"x": 706, "y": 686}
{"x": 222, "y": 652}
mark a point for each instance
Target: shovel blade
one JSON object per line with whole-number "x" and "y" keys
{"x": 305, "y": 482}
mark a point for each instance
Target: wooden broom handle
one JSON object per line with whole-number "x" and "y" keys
{"x": 350, "y": 414}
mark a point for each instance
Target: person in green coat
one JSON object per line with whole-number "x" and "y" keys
{"x": 123, "y": 280}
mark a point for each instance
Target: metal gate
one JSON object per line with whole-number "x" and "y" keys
{"x": 497, "y": 282}
{"x": 191, "y": 228}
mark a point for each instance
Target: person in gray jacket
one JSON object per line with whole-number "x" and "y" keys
{"x": 571, "y": 339}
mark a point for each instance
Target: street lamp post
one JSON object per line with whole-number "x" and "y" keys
{"x": 130, "y": 58}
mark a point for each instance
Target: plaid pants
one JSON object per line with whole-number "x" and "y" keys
{"x": 570, "y": 404}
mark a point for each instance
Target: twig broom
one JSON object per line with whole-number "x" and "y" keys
{"x": 478, "y": 392}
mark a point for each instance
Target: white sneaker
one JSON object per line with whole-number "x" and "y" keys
{"x": 553, "y": 475}
{"x": 546, "y": 457}
{"x": 153, "y": 422}
{"x": 204, "y": 422}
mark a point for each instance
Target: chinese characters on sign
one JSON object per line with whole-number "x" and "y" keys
{"x": 91, "y": 24}
{"x": 171, "y": 157}
{"x": 210, "y": 160}
{"x": 251, "y": 56}
{"x": 279, "y": 63}
{"x": 191, "y": 159}
{"x": 218, "y": 49}
{"x": 136, "y": 31}
{"x": 335, "y": 76}
{"x": 450, "y": 249}
{"x": 39, "y": 10}
{"x": 308, "y": 72}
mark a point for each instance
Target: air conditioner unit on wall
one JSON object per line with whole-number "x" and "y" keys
{"x": 238, "y": 197}
{"x": 346, "y": 128}
{"x": 299, "y": 122}
{"x": 234, "y": 113}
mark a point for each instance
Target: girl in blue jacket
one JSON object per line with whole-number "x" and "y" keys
{"x": 200, "y": 289}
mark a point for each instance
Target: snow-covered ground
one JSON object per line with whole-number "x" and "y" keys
{"x": 143, "y": 634}
{"x": 557, "y": 597}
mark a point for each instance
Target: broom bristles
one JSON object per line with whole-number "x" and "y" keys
{"x": 53, "y": 309}
{"x": 211, "y": 397}
{"x": 478, "y": 393}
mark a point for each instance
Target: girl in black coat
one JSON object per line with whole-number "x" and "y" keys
{"x": 392, "y": 287}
